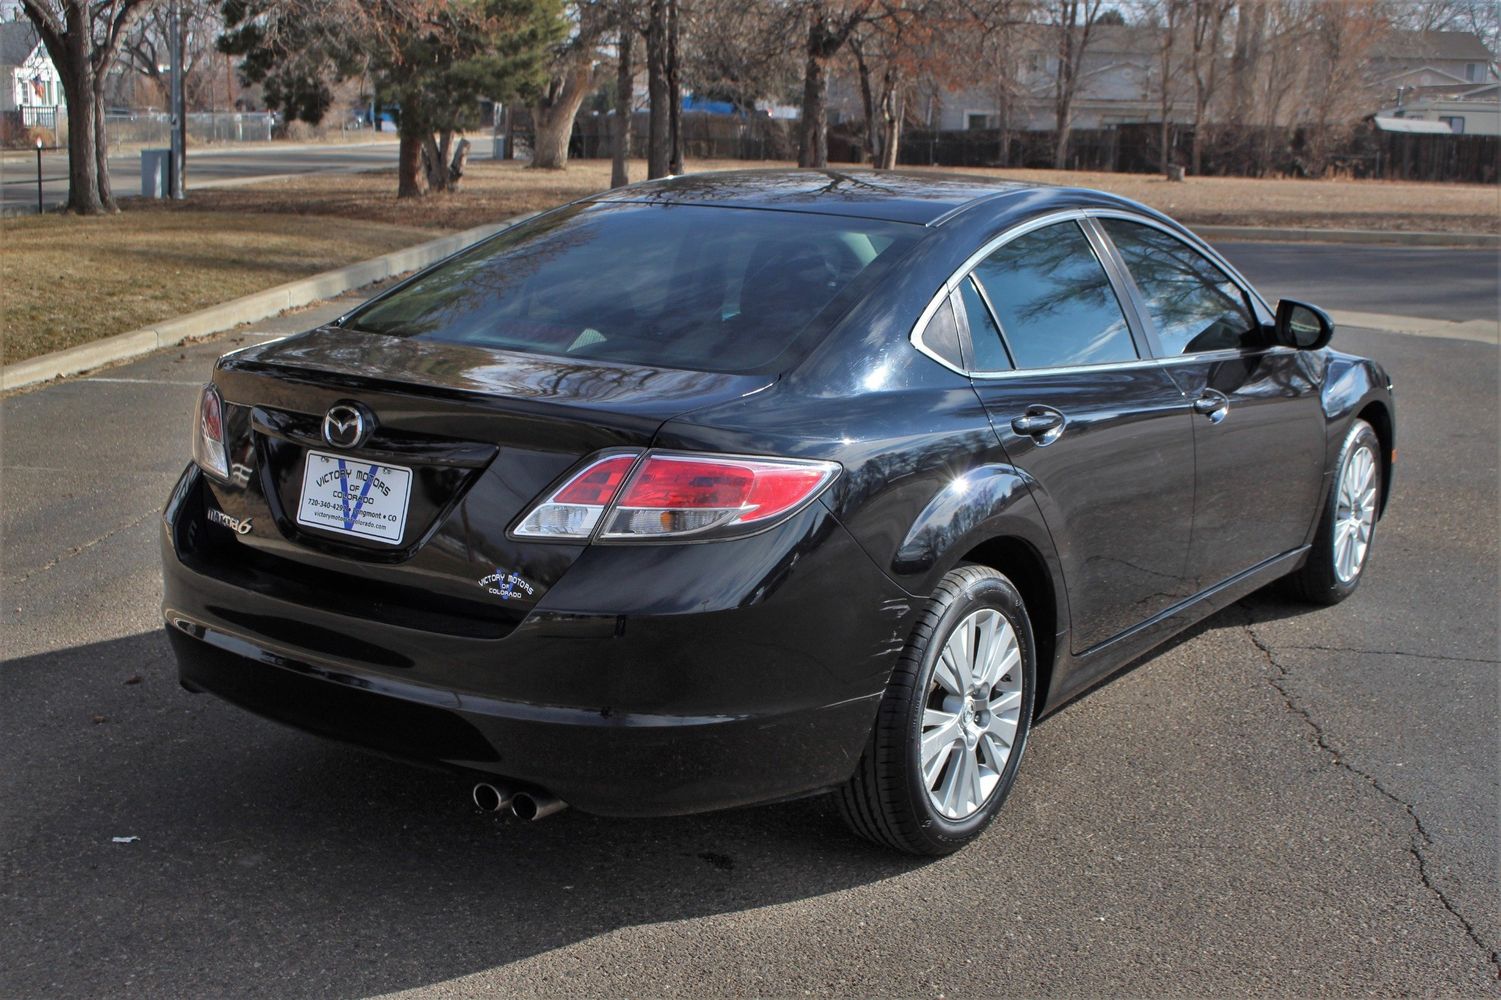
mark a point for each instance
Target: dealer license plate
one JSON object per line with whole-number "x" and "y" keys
{"x": 351, "y": 497}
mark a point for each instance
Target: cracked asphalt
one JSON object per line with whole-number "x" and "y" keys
{"x": 1285, "y": 801}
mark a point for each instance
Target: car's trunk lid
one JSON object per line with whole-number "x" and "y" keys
{"x": 483, "y": 432}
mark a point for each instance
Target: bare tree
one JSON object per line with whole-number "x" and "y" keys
{"x": 1482, "y": 17}
{"x": 83, "y": 39}
{"x": 1169, "y": 16}
{"x": 571, "y": 80}
{"x": 1072, "y": 22}
{"x": 1279, "y": 74}
{"x": 829, "y": 25}
{"x": 1341, "y": 37}
{"x": 625, "y": 85}
{"x": 992, "y": 42}
{"x": 1208, "y": 41}
{"x": 145, "y": 50}
{"x": 658, "y": 92}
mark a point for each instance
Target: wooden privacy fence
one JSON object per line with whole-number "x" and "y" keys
{"x": 1363, "y": 151}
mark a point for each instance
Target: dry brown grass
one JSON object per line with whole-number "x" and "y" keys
{"x": 493, "y": 191}
{"x": 1299, "y": 204}
{"x": 70, "y": 280}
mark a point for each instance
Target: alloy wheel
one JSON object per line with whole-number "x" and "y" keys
{"x": 1354, "y": 513}
{"x": 971, "y": 714}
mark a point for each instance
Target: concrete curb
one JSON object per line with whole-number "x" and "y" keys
{"x": 248, "y": 309}
{"x": 1481, "y": 331}
{"x": 1375, "y": 237}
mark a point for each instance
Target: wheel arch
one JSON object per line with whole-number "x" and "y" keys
{"x": 1025, "y": 567}
{"x": 1379, "y": 417}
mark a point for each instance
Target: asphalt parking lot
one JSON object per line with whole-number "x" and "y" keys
{"x": 1285, "y": 801}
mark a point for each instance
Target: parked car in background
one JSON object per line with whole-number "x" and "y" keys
{"x": 740, "y": 487}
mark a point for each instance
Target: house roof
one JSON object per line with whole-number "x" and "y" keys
{"x": 1386, "y": 124}
{"x": 17, "y": 40}
{"x": 1140, "y": 39}
{"x": 1415, "y": 45}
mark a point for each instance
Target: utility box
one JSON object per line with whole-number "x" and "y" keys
{"x": 156, "y": 173}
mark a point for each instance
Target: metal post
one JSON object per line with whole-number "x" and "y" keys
{"x": 174, "y": 46}
{"x": 39, "y": 208}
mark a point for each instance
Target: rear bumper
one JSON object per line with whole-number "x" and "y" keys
{"x": 611, "y": 765}
{"x": 597, "y": 695}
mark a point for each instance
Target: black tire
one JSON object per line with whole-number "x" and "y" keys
{"x": 887, "y": 800}
{"x": 1318, "y": 582}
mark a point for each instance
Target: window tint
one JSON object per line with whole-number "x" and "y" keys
{"x": 990, "y": 353}
{"x": 682, "y": 286}
{"x": 941, "y": 335}
{"x": 1194, "y": 305}
{"x": 1054, "y": 301}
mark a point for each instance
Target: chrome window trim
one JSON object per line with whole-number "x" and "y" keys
{"x": 950, "y": 286}
{"x": 921, "y": 327}
{"x": 1223, "y": 355}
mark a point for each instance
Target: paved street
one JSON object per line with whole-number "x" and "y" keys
{"x": 1286, "y": 801}
{"x": 1432, "y": 282}
{"x": 206, "y": 168}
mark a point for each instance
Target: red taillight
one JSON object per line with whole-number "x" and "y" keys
{"x": 674, "y": 494}
{"x": 671, "y": 495}
{"x": 574, "y": 509}
{"x": 757, "y": 489}
{"x": 688, "y": 483}
{"x": 596, "y": 485}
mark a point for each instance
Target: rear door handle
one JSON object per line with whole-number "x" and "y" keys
{"x": 1213, "y": 404}
{"x": 1041, "y": 423}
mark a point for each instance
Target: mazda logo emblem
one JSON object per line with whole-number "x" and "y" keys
{"x": 347, "y": 425}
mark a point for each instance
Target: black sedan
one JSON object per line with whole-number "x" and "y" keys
{"x": 748, "y": 486}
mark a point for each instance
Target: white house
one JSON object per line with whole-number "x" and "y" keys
{"x": 1118, "y": 83}
{"x": 1468, "y": 111}
{"x": 29, "y": 83}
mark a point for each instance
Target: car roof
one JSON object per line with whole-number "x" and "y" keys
{"x": 925, "y": 199}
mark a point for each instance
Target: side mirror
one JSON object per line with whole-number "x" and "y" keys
{"x": 1300, "y": 325}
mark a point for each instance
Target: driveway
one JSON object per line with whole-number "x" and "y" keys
{"x": 1285, "y": 801}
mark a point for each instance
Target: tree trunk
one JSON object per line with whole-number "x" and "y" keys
{"x": 553, "y": 116}
{"x": 813, "y": 135}
{"x": 893, "y": 107}
{"x": 620, "y": 132}
{"x": 411, "y": 181}
{"x": 77, "y": 75}
{"x": 435, "y": 160}
{"x": 868, "y": 102}
{"x": 674, "y": 94}
{"x": 1063, "y": 100}
{"x": 1060, "y": 147}
{"x": 101, "y": 150}
{"x": 658, "y": 93}
{"x": 1196, "y": 155}
{"x": 458, "y": 164}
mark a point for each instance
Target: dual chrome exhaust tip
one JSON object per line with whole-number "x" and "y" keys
{"x": 526, "y": 805}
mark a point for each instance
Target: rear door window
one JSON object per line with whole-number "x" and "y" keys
{"x": 1194, "y": 305}
{"x": 680, "y": 286}
{"x": 1054, "y": 302}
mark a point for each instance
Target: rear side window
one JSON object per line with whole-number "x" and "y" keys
{"x": 990, "y": 353}
{"x": 679, "y": 286}
{"x": 1193, "y": 304}
{"x": 1054, "y": 302}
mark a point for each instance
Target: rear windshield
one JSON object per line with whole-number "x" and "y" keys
{"x": 678, "y": 286}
